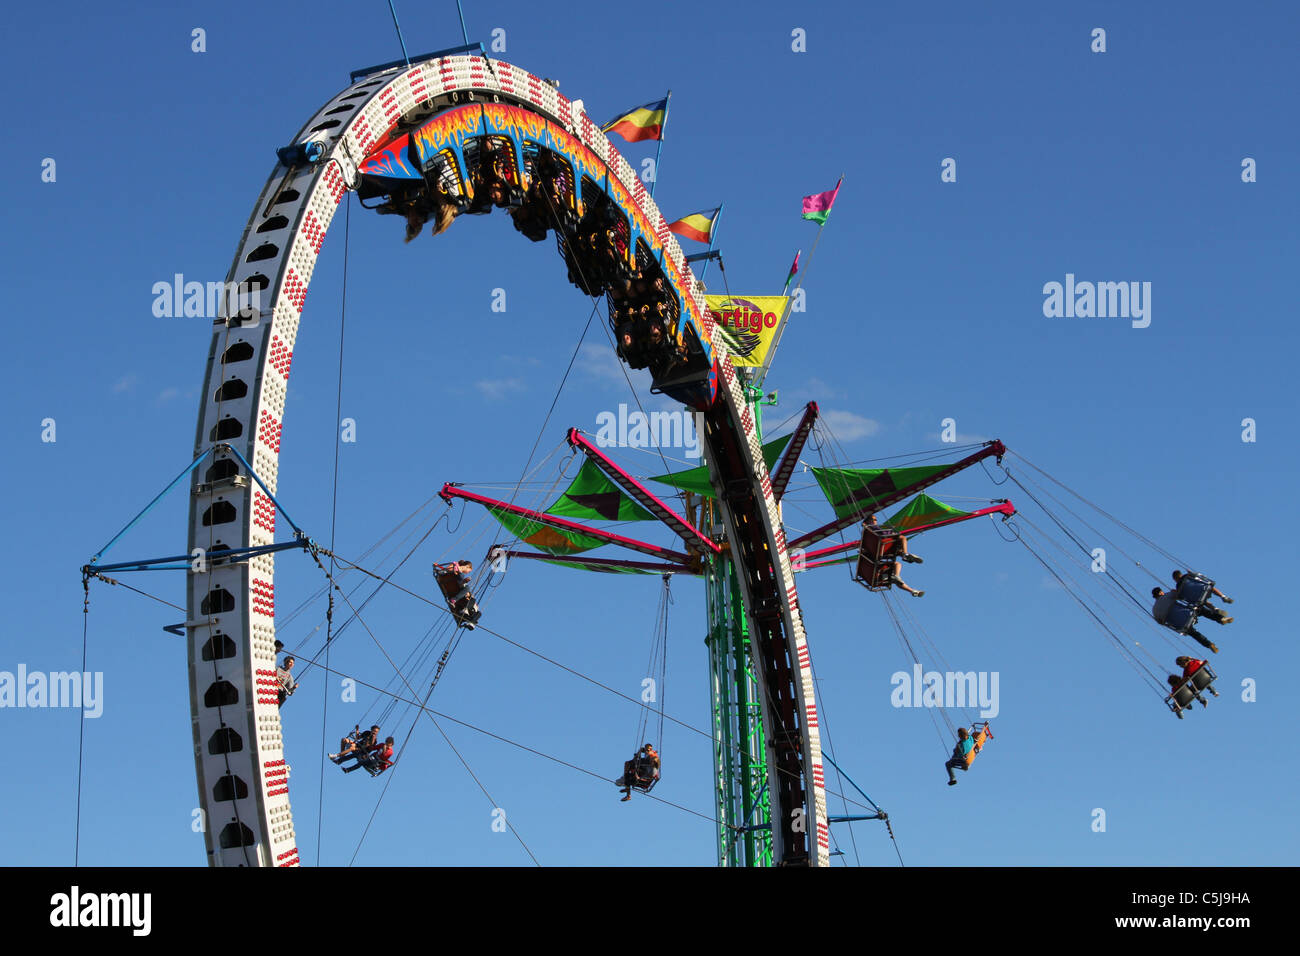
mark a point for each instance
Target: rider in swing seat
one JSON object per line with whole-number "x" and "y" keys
{"x": 454, "y": 580}
{"x": 894, "y": 555}
{"x": 356, "y": 744}
{"x": 965, "y": 745}
{"x": 968, "y": 745}
{"x": 1178, "y": 616}
{"x": 642, "y": 772}
{"x": 1195, "y": 590}
{"x": 378, "y": 759}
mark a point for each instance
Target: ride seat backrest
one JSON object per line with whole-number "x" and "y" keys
{"x": 875, "y": 562}
{"x": 1181, "y": 617}
{"x": 447, "y": 166}
{"x": 1202, "y": 677}
{"x": 1183, "y": 695}
{"x": 449, "y": 583}
{"x": 877, "y": 542}
{"x": 1195, "y": 589}
{"x": 979, "y": 738}
{"x": 643, "y": 774}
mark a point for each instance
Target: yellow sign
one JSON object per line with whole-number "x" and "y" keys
{"x": 747, "y": 324}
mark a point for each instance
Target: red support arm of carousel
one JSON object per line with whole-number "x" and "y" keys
{"x": 1005, "y": 507}
{"x": 643, "y": 496}
{"x": 613, "y": 564}
{"x": 798, "y": 438}
{"x": 993, "y": 448}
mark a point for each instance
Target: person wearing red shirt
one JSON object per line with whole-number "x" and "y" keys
{"x": 1190, "y": 666}
{"x": 379, "y": 759}
{"x": 382, "y": 756}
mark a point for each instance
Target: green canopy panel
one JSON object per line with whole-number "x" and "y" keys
{"x": 543, "y": 537}
{"x": 854, "y": 491}
{"x": 696, "y": 480}
{"x": 923, "y": 510}
{"x": 592, "y": 496}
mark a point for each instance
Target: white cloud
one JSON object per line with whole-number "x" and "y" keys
{"x": 528, "y": 361}
{"x": 167, "y": 394}
{"x": 496, "y": 389}
{"x": 813, "y": 390}
{"x": 849, "y": 426}
{"x": 600, "y": 362}
{"x": 124, "y": 384}
{"x": 818, "y": 388}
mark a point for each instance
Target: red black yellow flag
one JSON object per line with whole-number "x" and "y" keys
{"x": 644, "y": 122}
{"x": 697, "y": 226}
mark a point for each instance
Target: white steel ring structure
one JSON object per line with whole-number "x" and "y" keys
{"x": 239, "y": 750}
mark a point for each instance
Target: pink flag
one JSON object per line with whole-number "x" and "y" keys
{"x": 817, "y": 207}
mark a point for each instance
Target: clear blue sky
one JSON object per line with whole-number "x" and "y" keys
{"x": 925, "y": 302}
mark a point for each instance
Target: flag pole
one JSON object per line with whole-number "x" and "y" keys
{"x": 663, "y": 131}
{"x": 713, "y": 235}
{"x": 785, "y": 316}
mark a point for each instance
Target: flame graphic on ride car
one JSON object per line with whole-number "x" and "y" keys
{"x": 450, "y": 130}
{"x": 389, "y": 161}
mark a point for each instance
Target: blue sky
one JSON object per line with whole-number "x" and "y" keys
{"x": 924, "y": 302}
